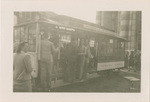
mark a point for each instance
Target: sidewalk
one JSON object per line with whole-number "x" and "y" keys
{"x": 133, "y": 77}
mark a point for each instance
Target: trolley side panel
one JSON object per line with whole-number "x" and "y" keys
{"x": 110, "y": 65}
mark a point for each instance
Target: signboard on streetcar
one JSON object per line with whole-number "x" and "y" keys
{"x": 110, "y": 65}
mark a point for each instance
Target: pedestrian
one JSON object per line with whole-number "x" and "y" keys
{"x": 137, "y": 61}
{"x": 127, "y": 60}
{"x": 46, "y": 61}
{"x": 22, "y": 69}
{"x": 131, "y": 60}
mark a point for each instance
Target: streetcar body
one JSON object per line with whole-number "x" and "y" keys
{"x": 108, "y": 49}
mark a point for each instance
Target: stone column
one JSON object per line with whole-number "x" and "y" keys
{"x": 124, "y": 20}
{"x": 128, "y": 29}
{"x": 124, "y": 23}
{"x": 132, "y": 31}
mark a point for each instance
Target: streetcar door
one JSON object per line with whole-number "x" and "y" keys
{"x": 93, "y": 49}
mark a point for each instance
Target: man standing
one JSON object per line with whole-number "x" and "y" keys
{"x": 137, "y": 61}
{"x": 131, "y": 60}
{"x": 81, "y": 55}
{"x": 46, "y": 61}
{"x": 22, "y": 69}
{"x": 72, "y": 51}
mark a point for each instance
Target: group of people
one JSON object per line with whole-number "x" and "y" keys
{"x": 71, "y": 58}
{"x": 74, "y": 60}
{"x": 133, "y": 60}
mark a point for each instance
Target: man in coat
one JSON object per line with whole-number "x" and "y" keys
{"x": 46, "y": 61}
{"x": 22, "y": 69}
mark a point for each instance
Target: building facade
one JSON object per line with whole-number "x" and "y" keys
{"x": 126, "y": 24}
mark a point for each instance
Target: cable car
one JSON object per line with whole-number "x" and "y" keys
{"x": 107, "y": 48}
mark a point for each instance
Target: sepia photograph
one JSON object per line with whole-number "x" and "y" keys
{"x": 58, "y": 53}
{"x": 72, "y": 51}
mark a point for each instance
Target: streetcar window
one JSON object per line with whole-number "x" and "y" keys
{"x": 32, "y": 38}
{"x": 24, "y": 35}
{"x": 122, "y": 45}
{"x": 16, "y": 35}
{"x": 120, "y": 50}
{"x": 110, "y": 49}
{"x": 66, "y": 38}
{"x": 111, "y": 41}
{"x": 92, "y": 43}
{"x": 102, "y": 49}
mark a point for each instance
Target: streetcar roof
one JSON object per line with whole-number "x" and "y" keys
{"x": 89, "y": 26}
{"x": 95, "y": 30}
{"x": 38, "y": 20}
{"x": 102, "y": 32}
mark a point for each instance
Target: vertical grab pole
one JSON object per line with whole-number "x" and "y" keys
{"x": 14, "y": 35}
{"x": 37, "y": 41}
{"x": 37, "y": 52}
{"x": 19, "y": 34}
{"x": 37, "y": 33}
{"x": 39, "y": 47}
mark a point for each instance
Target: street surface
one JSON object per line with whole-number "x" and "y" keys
{"x": 115, "y": 82}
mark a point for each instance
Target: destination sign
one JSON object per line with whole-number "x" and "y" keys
{"x": 64, "y": 28}
{"x": 110, "y": 65}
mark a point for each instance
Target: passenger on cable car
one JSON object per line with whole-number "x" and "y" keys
{"x": 88, "y": 56}
{"x": 63, "y": 60}
{"x": 81, "y": 58}
{"x": 55, "y": 40}
{"x": 46, "y": 61}
{"x": 92, "y": 63}
{"x": 72, "y": 51}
